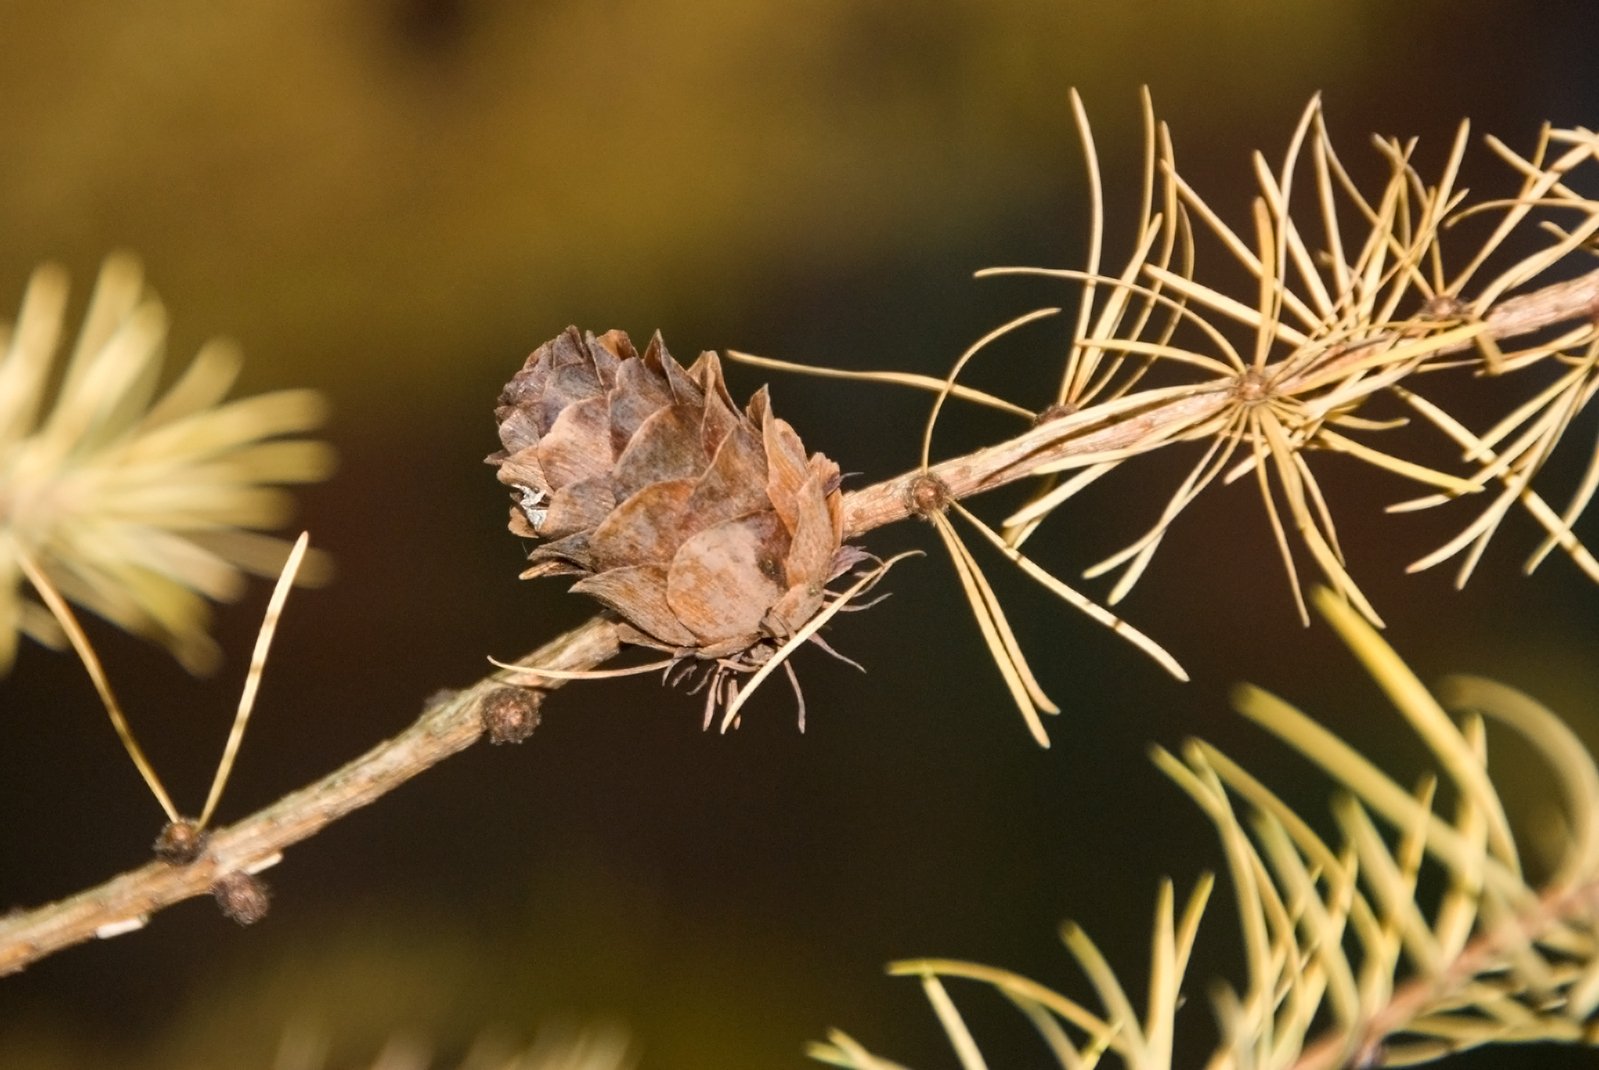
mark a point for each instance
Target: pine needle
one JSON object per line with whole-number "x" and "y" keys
{"x": 91, "y": 663}
{"x": 811, "y": 627}
{"x": 997, "y": 635}
{"x": 960, "y": 364}
{"x": 960, "y": 1037}
{"x": 1096, "y": 612}
{"x": 919, "y": 382}
{"x": 1428, "y": 718}
{"x": 252, "y": 679}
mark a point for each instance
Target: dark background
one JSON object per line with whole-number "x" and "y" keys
{"x": 395, "y": 201}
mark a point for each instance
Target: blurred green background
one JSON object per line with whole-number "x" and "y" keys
{"x": 394, "y": 201}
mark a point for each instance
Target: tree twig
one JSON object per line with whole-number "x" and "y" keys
{"x": 1410, "y": 999}
{"x": 1018, "y": 457}
{"x": 126, "y": 902}
{"x": 449, "y": 725}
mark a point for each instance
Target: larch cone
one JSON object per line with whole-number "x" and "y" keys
{"x": 707, "y": 529}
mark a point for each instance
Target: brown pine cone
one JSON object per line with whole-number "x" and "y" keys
{"x": 706, "y": 529}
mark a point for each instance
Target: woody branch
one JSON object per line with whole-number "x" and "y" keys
{"x": 452, "y": 724}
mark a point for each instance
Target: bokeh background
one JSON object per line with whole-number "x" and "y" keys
{"x": 394, "y": 201}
